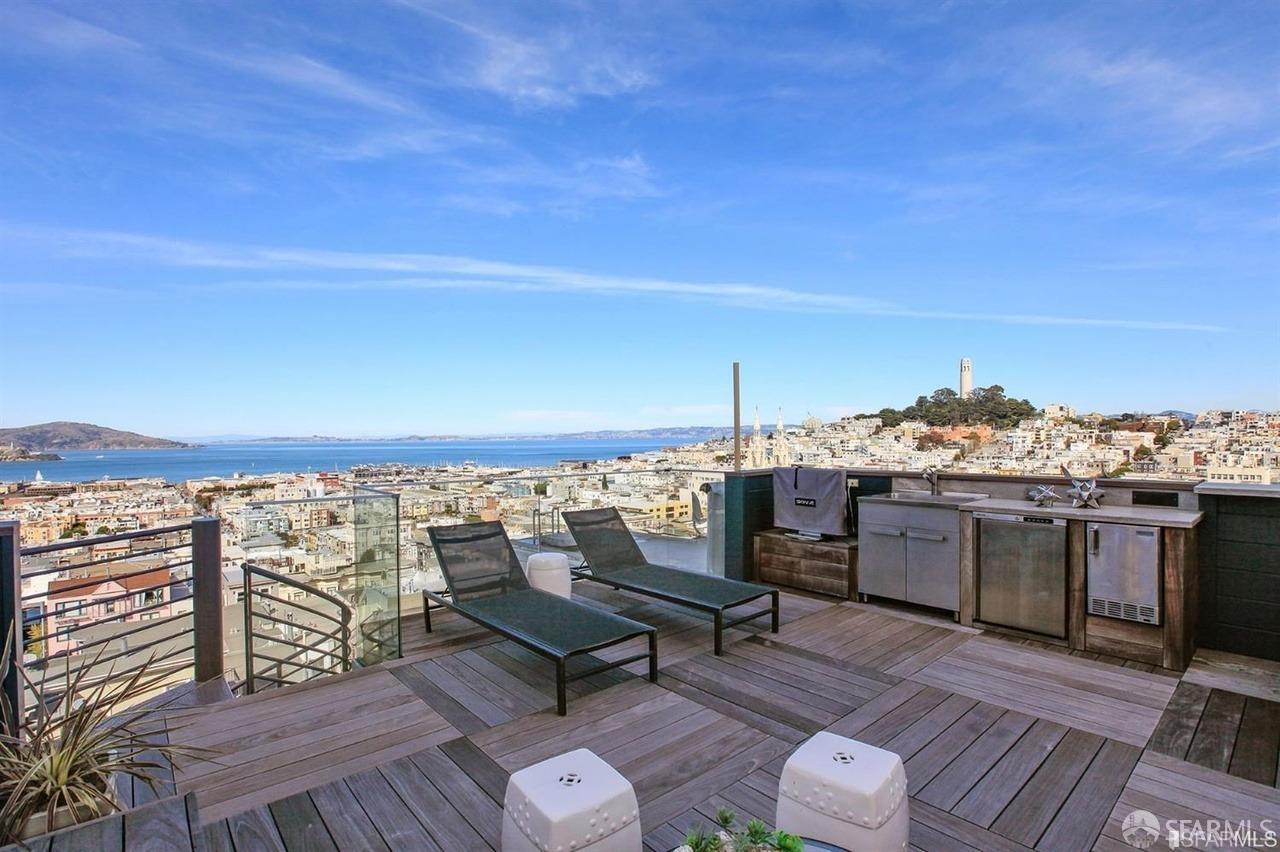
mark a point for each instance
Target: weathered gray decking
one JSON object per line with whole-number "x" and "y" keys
{"x": 1007, "y": 744}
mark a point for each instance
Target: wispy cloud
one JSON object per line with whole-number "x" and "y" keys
{"x": 1159, "y": 88}
{"x": 311, "y": 75}
{"x": 548, "y": 66}
{"x": 60, "y": 32}
{"x": 420, "y": 271}
{"x": 1156, "y": 98}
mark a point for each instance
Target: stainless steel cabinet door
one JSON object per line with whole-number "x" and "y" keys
{"x": 933, "y": 568}
{"x": 882, "y": 561}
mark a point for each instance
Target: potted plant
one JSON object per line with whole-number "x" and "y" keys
{"x": 57, "y": 767}
{"x": 755, "y": 836}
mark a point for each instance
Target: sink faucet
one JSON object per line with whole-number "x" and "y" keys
{"x": 931, "y": 476}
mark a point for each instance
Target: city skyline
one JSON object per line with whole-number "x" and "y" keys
{"x": 502, "y": 220}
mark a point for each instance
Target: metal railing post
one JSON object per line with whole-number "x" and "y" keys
{"x": 249, "y": 676}
{"x": 347, "y": 651}
{"x": 206, "y": 573}
{"x": 11, "y": 612}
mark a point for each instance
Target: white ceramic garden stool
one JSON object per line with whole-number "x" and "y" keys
{"x": 550, "y": 573}
{"x": 573, "y": 802}
{"x": 846, "y": 793}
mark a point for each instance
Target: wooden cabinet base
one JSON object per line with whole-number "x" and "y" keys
{"x": 1126, "y": 639}
{"x": 829, "y": 567}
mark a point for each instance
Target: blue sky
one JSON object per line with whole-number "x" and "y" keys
{"x": 369, "y": 218}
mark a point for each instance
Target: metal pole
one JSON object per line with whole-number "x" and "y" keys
{"x": 737, "y": 420}
{"x": 206, "y": 576}
{"x": 249, "y": 676}
{"x": 11, "y": 613}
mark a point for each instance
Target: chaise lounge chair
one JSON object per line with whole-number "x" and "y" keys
{"x": 488, "y": 586}
{"x": 615, "y": 560}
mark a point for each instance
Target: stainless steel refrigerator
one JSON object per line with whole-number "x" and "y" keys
{"x": 1124, "y": 572}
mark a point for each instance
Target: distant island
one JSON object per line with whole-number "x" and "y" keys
{"x": 63, "y": 435}
{"x": 18, "y": 454}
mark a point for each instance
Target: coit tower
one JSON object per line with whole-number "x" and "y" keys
{"x": 966, "y": 378}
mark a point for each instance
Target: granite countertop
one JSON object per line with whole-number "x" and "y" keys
{"x": 1154, "y": 516}
{"x": 1239, "y": 489}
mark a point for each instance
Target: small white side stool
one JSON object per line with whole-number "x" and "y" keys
{"x": 845, "y": 793}
{"x": 574, "y": 802}
{"x": 550, "y": 573}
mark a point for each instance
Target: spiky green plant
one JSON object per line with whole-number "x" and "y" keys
{"x": 784, "y": 842}
{"x": 65, "y": 754}
{"x": 757, "y": 833}
{"x": 755, "y": 837}
{"x": 701, "y": 840}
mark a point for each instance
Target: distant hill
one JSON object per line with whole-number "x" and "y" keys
{"x": 662, "y": 433}
{"x": 62, "y": 435}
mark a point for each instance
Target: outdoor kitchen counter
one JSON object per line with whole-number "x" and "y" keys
{"x": 1154, "y": 516}
{"x": 1169, "y": 644}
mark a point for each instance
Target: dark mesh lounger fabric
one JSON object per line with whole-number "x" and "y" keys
{"x": 553, "y": 621}
{"x": 613, "y": 555}
{"x": 485, "y": 578}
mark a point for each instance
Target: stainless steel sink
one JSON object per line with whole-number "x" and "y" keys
{"x": 947, "y": 499}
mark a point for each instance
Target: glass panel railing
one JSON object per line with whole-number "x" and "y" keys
{"x": 376, "y": 525}
{"x": 342, "y": 545}
{"x": 676, "y": 515}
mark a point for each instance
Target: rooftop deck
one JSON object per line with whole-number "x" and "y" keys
{"x": 1008, "y": 744}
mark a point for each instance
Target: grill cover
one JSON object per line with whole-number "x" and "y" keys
{"x": 811, "y": 499}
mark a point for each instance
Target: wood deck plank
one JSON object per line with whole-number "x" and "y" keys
{"x": 449, "y": 828}
{"x": 903, "y": 716}
{"x": 300, "y": 825}
{"x": 1177, "y": 726}
{"x": 255, "y": 829}
{"x": 1258, "y": 742}
{"x": 732, "y": 709}
{"x": 472, "y": 802}
{"x": 101, "y": 835}
{"x": 942, "y": 824}
{"x": 238, "y": 793}
{"x": 348, "y": 824}
{"x": 710, "y": 781}
{"x": 923, "y": 731}
{"x": 989, "y": 797}
{"x": 462, "y": 719}
{"x": 853, "y": 723}
{"x": 1215, "y": 736}
{"x": 1029, "y": 813}
{"x": 464, "y": 692}
{"x": 479, "y": 767}
{"x": 1080, "y": 819}
{"x": 1040, "y": 697}
{"x": 395, "y": 821}
{"x": 207, "y": 836}
{"x": 160, "y": 826}
{"x": 925, "y": 764}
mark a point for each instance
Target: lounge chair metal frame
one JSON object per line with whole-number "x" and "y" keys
{"x": 717, "y": 612}
{"x": 532, "y": 643}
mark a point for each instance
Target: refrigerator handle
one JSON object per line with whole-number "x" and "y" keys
{"x": 1095, "y": 539}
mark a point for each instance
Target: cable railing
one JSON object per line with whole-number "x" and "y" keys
{"x": 103, "y": 608}
{"x": 287, "y": 641}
